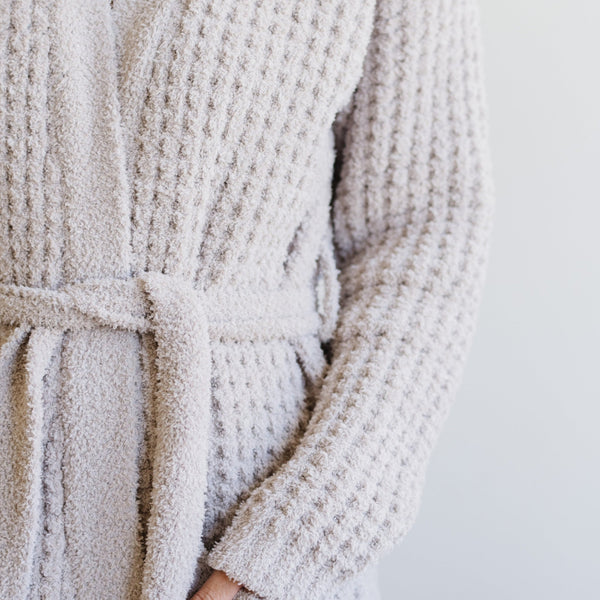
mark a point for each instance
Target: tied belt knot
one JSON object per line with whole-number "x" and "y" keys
{"x": 183, "y": 320}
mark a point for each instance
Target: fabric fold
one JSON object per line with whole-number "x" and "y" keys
{"x": 20, "y": 475}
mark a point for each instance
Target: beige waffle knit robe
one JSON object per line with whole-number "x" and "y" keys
{"x": 242, "y": 251}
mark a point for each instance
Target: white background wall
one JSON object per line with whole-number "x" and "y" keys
{"x": 511, "y": 507}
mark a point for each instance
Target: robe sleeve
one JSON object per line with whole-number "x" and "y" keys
{"x": 412, "y": 212}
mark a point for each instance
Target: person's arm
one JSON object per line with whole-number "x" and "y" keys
{"x": 412, "y": 214}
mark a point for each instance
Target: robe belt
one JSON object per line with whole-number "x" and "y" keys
{"x": 183, "y": 320}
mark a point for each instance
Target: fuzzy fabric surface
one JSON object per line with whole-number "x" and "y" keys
{"x": 243, "y": 247}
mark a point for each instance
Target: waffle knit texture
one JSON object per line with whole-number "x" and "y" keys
{"x": 242, "y": 253}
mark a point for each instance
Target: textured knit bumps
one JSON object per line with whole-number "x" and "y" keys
{"x": 250, "y": 148}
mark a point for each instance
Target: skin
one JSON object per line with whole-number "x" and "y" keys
{"x": 217, "y": 587}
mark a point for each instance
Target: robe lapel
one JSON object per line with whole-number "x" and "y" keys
{"x": 120, "y": 54}
{"x": 104, "y": 64}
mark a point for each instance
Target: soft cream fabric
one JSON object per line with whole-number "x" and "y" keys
{"x": 242, "y": 251}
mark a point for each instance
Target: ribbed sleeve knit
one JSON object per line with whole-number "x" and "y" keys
{"x": 412, "y": 213}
